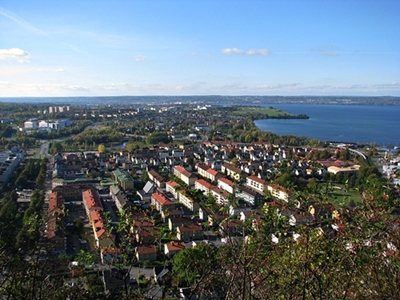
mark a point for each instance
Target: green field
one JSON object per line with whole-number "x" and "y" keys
{"x": 340, "y": 196}
{"x": 251, "y": 110}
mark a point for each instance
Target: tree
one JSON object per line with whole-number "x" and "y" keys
{"x": 56, "y": 147}
{"x": 101, "y": 148}
{"x": 157, "y": 137}
{"x": 86, "y": 258}
{"x": 132, "y": 146}
{"x": 234, "y": 161}
{"x": 196, "y": 265}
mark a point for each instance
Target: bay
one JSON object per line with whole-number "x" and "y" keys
{"x": 339, "y": 123}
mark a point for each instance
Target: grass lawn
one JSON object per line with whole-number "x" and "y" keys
{"x": 342, "y": 196}
{"x": 250, "y": 110}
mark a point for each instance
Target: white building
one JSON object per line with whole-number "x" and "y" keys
{"x": 31, "y": 124}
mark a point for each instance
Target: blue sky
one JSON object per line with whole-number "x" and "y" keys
{"x": 193, "y": 47}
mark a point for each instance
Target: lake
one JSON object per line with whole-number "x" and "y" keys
{"x": 339, "y": 123}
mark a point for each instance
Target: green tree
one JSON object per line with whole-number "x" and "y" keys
{"x": 101, "y": 148}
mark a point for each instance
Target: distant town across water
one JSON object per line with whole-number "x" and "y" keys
{"x": 211, "y": 99}
{"x": 332, "y": 118}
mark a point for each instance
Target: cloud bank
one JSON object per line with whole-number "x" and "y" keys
{"x": 14, "y": 54}
{"x": 262, "y": 51}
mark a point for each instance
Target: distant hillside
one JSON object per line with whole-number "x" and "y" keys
{"x": 212, "y": 99}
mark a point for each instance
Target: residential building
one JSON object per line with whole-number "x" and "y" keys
{"x": 226, "y": 184}
{"x": 278, "y": 192}
{"x": 123, "y": 178}
{"x": 161, "y": 202}
{"x": 172, "y": 187}
{"x": 248, "y": 195}
{"x": 256, "y": 183}
{"x": 119, "y": 196}
{"x": 146, "y": 253}
{"x": 187, "y": 177}
{"x": 157, "y": 178}
{"x": 189, "y": 232}
{"x": 233, "y": 172}
{"x": 170, "y": 249}
{"x": 188, "y": 201}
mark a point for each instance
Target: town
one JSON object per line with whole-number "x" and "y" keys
{"x": 169, "y": 201}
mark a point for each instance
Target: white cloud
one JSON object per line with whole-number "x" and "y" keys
{"x": 232, "y": 51}
{"x": 14, "y": 54}
{"x": 60, "y": 70}
{"x": 140, "y": 57}
{"x": 262, "y": 51}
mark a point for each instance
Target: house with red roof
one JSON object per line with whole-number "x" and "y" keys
{"x": 56, "y": 204}
{"x": 161, "y": 202}
{"x": 55, "y": 235}
{"x": 203, "y": 185}
{"x": 213, "y": 175}
{"x": 278, "y": 192}
{"x": 170, "y": 249}
{"x": 220, "y": 196}
{"x": 172, "y": 186}
{"x": 225, "y": 184}
{"x": 188, "y": 201}
{"x": 187, "y": 177}
{"x": 256, "y": 183}
{"x": 91, "y": 201}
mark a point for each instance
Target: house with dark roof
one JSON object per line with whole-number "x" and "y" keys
{"x": 146, "y": 253}
{"x": 157, "y": 178}
{"x": 188, "y": 233}
{"x": 120, "y": 198}
{"x": 233, "y": 172}
{"x": 248, "y": 195}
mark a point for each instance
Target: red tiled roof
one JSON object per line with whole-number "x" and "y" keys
{"x": 160, "y": 198}
{"x": 183, "y": 171}
{"x": 91, "y": 199}
{"x": 212, "y": 172}
{"x": 204, "y": 183}
{"x": 100, "y": 232}
{"x": 175, "y": 246}
{"x": 55, "y": 201}
{"x": 226, "y": 181}
{"x": 180, "y": 169}
{"x": 256, "y": 179}
{"x": 186, "y": 228}
{"x": 146, "y": 249}
{"x": 172, "y": 183}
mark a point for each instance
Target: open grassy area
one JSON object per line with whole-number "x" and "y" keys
{"x": 251, "y": 110}
{"x": 340, "y": 196}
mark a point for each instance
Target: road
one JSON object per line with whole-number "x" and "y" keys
{"x": 44, "y": 150}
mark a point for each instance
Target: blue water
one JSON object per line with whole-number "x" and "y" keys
{"x": 340, "y": 123}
